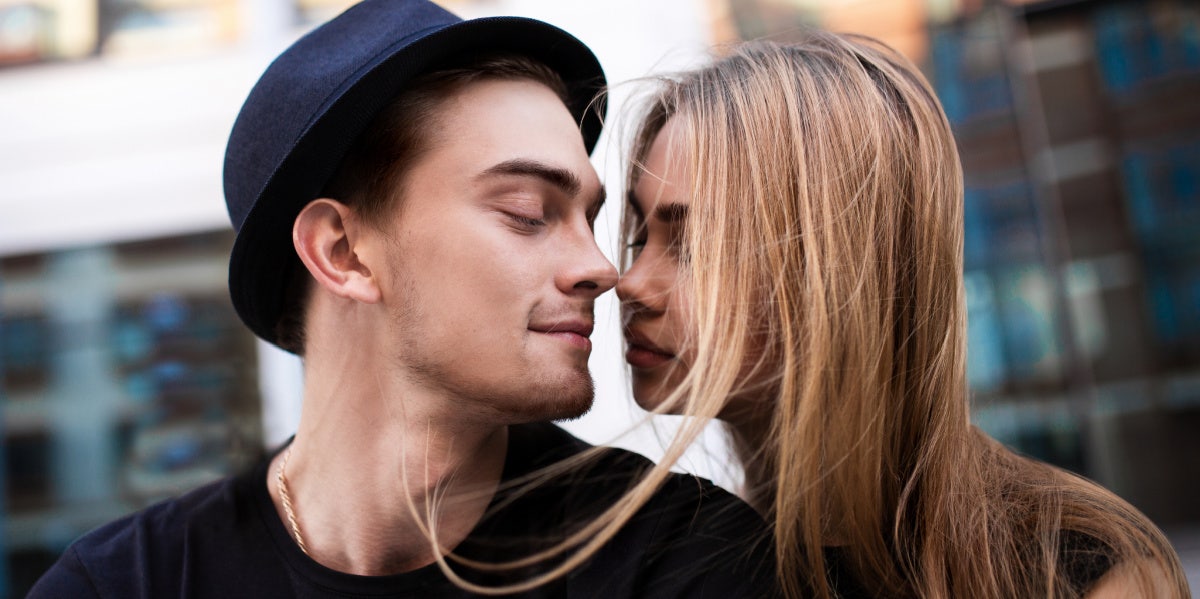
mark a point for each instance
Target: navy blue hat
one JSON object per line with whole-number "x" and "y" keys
{"x": 311, "y": 104}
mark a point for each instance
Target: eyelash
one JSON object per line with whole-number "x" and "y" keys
{"x": 638, "y": 242}
{"x": 674, "y": 247}
{"x": 527, "y": 221}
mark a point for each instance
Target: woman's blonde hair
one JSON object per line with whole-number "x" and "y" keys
{"x": 824, "y": 255}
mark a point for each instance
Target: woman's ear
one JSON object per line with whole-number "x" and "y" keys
{"x": 326, "y": 235}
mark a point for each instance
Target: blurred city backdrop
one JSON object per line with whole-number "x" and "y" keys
{"x": 126, "y": 376}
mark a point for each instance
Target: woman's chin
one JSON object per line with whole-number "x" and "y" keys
{"x": 652, "y": 401}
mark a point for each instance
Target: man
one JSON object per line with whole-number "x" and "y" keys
{"x": 414, "y": 206}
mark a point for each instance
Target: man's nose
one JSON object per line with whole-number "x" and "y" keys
{"x": 589, "y": 273}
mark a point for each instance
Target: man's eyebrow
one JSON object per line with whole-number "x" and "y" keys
{"x": 559, "y": 177}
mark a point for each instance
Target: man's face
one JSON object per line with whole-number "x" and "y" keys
{"x": 491, "y": 266}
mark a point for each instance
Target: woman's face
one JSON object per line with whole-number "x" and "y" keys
{"x": 654, "y": 291}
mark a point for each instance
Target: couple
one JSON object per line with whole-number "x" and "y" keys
{"x": 414, "y": 206}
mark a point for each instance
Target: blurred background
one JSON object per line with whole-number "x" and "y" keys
{"x": 126, "y": 376}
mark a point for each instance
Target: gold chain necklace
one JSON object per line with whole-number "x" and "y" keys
{"x": 287, "y": 501}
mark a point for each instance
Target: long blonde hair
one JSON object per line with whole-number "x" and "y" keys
{"x": 824, "y": 255}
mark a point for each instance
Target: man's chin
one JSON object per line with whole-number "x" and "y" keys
{"x": 566, "y": 400}
{"x": 574, "y": 412}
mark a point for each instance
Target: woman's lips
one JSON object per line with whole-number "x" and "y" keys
{"x": 643, "y": 357}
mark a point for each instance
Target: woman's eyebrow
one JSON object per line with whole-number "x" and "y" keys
{"x": 671, "y": 212}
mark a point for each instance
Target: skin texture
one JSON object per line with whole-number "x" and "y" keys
{"x": 1123, "y": 582}
{"x": 484, "y": 280}
{"x": 655, "y": 297}
{"x": 465, "y": 310}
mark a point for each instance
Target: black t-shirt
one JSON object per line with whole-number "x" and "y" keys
{"x": 691, "y": 539}
{"x": 1083, "y": 558}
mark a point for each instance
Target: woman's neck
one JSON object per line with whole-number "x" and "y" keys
{"x": 751, "y": 432}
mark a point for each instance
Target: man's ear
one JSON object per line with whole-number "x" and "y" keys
{"x": 326, "y": 234}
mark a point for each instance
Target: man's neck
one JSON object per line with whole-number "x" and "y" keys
{"x": 373, "y": 470}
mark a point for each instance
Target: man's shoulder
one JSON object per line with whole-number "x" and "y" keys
{"x": 542, "y": 444}
{"x": 216, "y": 503}
{"x": 691, "y": 538}
{"x": 695, "y": 521}
{"x": 132, "y": 554}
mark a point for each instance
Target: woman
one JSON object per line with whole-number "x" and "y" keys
{"x": 795, "y": 220}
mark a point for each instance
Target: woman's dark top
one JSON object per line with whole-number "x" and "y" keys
{"x": 1084, "y": 558}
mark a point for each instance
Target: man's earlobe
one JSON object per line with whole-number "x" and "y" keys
{"x": 325, "y": 235}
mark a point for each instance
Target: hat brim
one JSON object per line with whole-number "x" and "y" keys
{"x": 263, "y": 252}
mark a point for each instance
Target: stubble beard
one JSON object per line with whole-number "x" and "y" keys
{"x": 531, "y": 393}
{"x": 515, "y": 400}
{"x": 560, "y": 400}
{"x": 535, "y": 393}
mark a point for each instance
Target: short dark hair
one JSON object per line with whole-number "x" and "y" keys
{"x": 368, "y": 179}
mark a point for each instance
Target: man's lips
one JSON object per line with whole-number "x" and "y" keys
{"x": 644, "y": 354}
{"x": 574, "y": 332}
